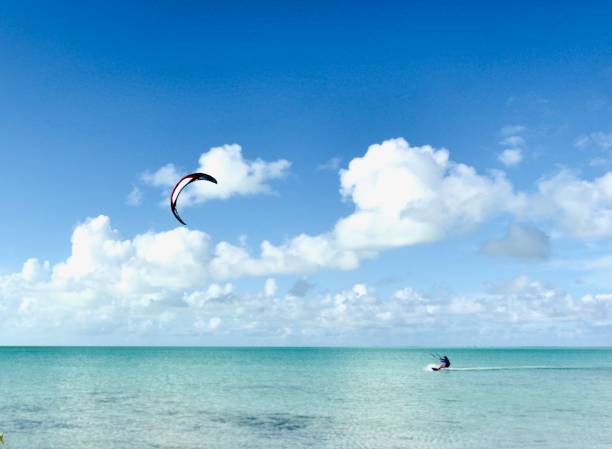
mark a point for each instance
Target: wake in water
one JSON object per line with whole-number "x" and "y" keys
{"x": 430, "y": 367}
{"x": 514, "y": 368}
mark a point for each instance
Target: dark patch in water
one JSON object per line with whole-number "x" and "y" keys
{"x": 270, "y": 422}
{"x": 62, "y": 425}
{"x": 27, "y": 424}
{"x": 112, "y": 398}
{"x": 35, "y": 424}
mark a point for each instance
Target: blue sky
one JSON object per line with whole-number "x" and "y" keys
{"x": 94, "y": 97}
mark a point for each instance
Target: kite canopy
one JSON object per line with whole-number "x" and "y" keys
{"x": 184, "y": 182}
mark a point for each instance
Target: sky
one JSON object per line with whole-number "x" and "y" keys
{"x": 390, "y": 174}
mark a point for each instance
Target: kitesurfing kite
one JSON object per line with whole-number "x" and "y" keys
{"x": 184, "y": 182}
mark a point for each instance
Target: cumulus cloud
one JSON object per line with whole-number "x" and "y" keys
{"x": 406, "y": 195}
{"x": 169, "y": 267}
{"x": 34, "y": 270}
{"x": 300, "y": 254}
{"x": 236, "y": 175}
{"x": 102, "y": 267}
{"x": 578, "y": 207}
{"x": 522, "y": 242}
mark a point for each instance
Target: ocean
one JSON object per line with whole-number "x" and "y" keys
{"x": 230, "y": 398}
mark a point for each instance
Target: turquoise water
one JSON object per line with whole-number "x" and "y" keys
{"x": 304, "y": 398}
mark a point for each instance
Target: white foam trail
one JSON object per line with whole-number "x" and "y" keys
{"x": 500, "y": 368}
{"x": 528, "y": 367}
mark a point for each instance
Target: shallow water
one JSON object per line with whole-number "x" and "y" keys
{"x": 304, "y": 398}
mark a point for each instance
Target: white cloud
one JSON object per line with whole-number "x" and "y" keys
{"x": 236, "y": 175}
{"x": 523, "y": 242}
{"x": 514, "y": 145}
{"x": 407, "y": 195}
{"x": 579, "y": 208}
{"x": 511, "y": 157}
{"x": 102, "y": 266}
{"x": 134, "y": 198}
{"x": 171, "y": 266}
{"x": 33, "y": 270}
{"x": 301, "y": 254}
{"x": 95, "y": 247}
{"x": 165, "y": 176}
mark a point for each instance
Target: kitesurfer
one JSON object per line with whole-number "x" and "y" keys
{"x": 444, "y": 363}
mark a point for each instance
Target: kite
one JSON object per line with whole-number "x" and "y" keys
{"x": 184, "y": 182}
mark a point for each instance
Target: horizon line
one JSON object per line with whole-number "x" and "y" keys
{"x": 305, "y": 347}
